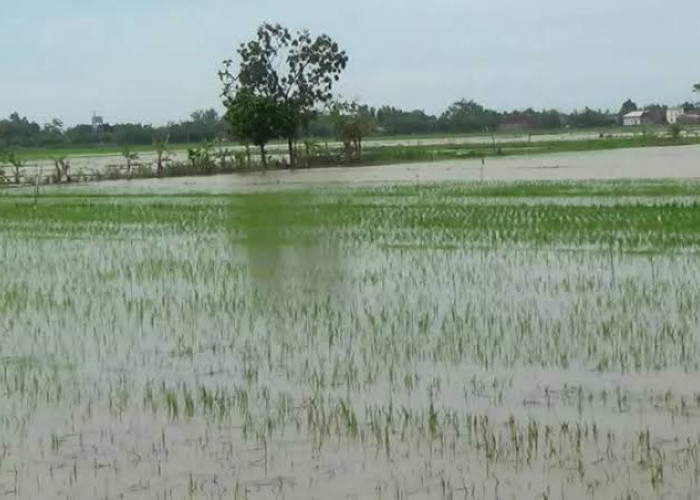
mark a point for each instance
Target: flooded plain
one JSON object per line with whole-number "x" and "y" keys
{"x": 86, "y": 164}
{"x": 382, "y": 342}
{"x": 638, "y": 163}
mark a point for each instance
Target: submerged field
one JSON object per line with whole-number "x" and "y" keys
{"x": 526, "y": 340}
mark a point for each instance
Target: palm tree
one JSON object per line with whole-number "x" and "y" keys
{"x": 130, "y": 157}
{"x": 161, "y": 144}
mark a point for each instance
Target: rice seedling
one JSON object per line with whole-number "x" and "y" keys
{"x": 407, "y": 341}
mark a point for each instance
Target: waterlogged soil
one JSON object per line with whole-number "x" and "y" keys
{"x": 254, "y": 359}
{"x": 86, "y": 164}
{"x": 638, "y": 163}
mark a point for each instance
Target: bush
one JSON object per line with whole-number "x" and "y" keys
{"x": 675, "y": 131}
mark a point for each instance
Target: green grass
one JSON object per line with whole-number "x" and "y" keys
{"x": 658, "y": 216}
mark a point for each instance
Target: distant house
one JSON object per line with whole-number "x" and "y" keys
{"x": 673, "y": 114}
{"x": 683, "y": 116}
{"x": 637, "y": 118}
{"x": 689, "y": 118}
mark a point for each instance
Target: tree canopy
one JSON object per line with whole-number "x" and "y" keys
{"x": 293, "y": 73}
{"x": 351, "y": 123}
{"x": 468, "y": 116}
{"x": 254, "y": 119}
{"x": 627, "y": 107}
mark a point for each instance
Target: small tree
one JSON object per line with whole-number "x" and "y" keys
{"x": 130, "y": 157}
{"x": 675, "y": 130}
{"x": 193, "y": 156}
{"x": 350, "y": 125}
{"x": 3, "y": 164}
{"x": 16, "y": 164}
{"x": 57, "y": 166}
{"x": 161, "y": 144}
{"x": 223, "y": 154}
{"x": 201, "y": 158}
{"x": 62, "y": 166}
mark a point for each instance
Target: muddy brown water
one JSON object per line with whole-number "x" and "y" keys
{"x": 176, "y": 364}
{"x": 639, "y": 163}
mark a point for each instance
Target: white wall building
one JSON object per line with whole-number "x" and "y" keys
{"x": 672, "y": 115}
{"x": 636, "y": 118}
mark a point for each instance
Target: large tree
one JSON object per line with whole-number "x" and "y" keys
{"x": 296, "y": 73}
{"x": 627, "y": 107}
{"x": 469, "y": 116}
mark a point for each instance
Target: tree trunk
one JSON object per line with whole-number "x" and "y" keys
{"x": 247, "y": 156}
{"x": 263, "y": 156}
{"x": 292, "y": 159}
{"x": 348, "y": 152}
{"x": 66, "y": 170}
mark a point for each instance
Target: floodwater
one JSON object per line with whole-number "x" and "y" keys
{"x": 378, "y": 360}
{"x": 637, "y": 163}
{"x": 103, "y": 163}
{"x": 153, "y": 367}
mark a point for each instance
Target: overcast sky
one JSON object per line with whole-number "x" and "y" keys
{"x": 156, "y": 60}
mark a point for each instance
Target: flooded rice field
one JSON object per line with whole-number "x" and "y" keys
{"x": 484, "y": 340}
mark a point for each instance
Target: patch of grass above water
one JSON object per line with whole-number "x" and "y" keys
{"x": 630, "y": 215}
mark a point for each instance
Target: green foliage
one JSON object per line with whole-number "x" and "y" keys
{"x": 202, "y": 158}
{"x": 590, "y": 118}
{"x": 130, "y": 157}
{"x": 628, "y": 107}
{"x": 298, "y": 69}
{"x": 393, "y": 121}
{"x": 277, "y": 70}
{"x": 62, "y": 166}
{"x": 11, "y": 159}
{"x": 254, "y": 119}
{"x": 160, "y": 144}
{"x": 675, "y": 130}
{"x": 468, "y": 116}
{"x": 19, "y": 131}
{"x": 350, "y": 124}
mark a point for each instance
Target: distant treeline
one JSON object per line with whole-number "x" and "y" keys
{"x": 207, "y": 125}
